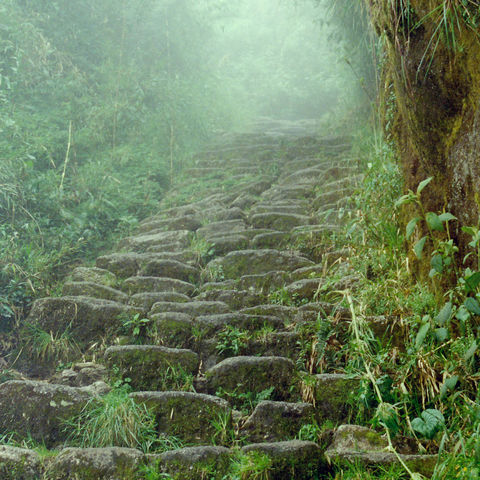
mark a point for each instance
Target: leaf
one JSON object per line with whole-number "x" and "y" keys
{"x": 404, "y": 199}
{"x": 472, "y": 305}
{"x": 446, "y": 217}
{"x": 472, "y": 282}
{"x": 411, "y": 226}
{"x": 429, "y": 424}
{"x": 444, "y": 314}
{"x": 451, "y": 382}
{"x": 433, "y": 221}
{"x": 437, "y": 263}
{"x": 419, "y": 246}
{"x": 471, "y": 351}
{"x": 423, "y": 184}
{"x": 441, "y": 334}
{"x": 422, "y": 333}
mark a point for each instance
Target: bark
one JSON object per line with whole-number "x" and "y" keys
{"x": 437, "y": 104}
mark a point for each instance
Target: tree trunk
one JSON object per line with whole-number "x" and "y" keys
{"x": 432, "y": 64}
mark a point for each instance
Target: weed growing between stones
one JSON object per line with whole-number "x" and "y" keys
{"x": 250, "y": 466}
{"x": 114, "y": 420}
{"x": 245, "y": 402}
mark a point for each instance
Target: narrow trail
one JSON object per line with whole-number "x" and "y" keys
{"x": 210, "y": 312}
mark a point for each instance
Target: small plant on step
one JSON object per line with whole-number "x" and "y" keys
{"x": 136, "y": 328}
{"x": 251, "y": 466}
{"x": 231, "y": 341}
{"x": 224, "y": 427}
{"x": 176, "y": 378}
{"x": 203, "y": 250}
{"x": 49, "y": 346}
{"x": 114, "y": 420}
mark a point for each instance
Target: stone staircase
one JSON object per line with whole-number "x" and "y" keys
{"x": 224, "y": 287}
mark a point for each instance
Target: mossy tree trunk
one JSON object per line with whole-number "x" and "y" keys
{"x": 433, "y": 70}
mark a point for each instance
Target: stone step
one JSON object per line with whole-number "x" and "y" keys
{"x": 251, "y": 262}
{"x": 242, "y": 375}
{"x": 126, "y": 265}
{"x": 216, "y": 229}
{"x": 19, "y": 464}
{"x": 290, "y": 460}
{"x": 282, "y": 222}
{"x": 235, "y": 299}
{"x": 273, "y": 240}
{"x": 157, "y": 239}
{"x": 38, "y": 410}
{"x": 94, "y": 463}
{"x": 86, "y": 319}
{"x": 90, "y": 289}
{"x": 139, "y": 284}
{"x": 170, "y": 269}
{"x": 192, "y": 308}
{"x": 356, "y": 445}
{"x": 186, "y": 415}
{"x": 96, "y": 275}
{"x": 186, "y": 222}
{"x": 277, "y": 421}
{"x": 150, "y": 367}
{"x": 145, "y": 301}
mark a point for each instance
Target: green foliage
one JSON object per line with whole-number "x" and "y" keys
{"x": 49, "y": 346}
{"x": 247, "y": 401}
{"x": 231, "y": 341}
{"x": 137, "y": 328}
{"x": 251, "y": 466}
{"x": 114, "y": 420}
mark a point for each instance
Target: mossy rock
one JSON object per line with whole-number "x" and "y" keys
{"x": 253, "y": 374}
{"x": 170, "y": 269}
{"x": 95, "y": 275}
{"x": 189, "y": 416}
{"x": 283, "y": 222}
{"x": 87, "y": 319}
{"x": 290, "y": 460}
{"x": 19, "y": 464}
{"x": 141, "y": 243}
{"x": 141, "y": 284}
{"x": 90, "y": 289}
{"x": 144, "y": 365}
{"x": 39, "y": 410}
{"x": 112, "y": 463}
{"x": 146, "y": 300}
{"x": 235, "y": 299}
{"x": 333, "y": 395}
{"x": 277, "y": 421}
{"x": 194, "y": 463}
{"x": 252, "y": 262}
{"x": 174, "y": 329}
{"x": 193, "y": 308}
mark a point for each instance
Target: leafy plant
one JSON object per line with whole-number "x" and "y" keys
{"x": 430, "y": 422}
{"x": 231, "y": 340}
{"x": 251, "y": 466}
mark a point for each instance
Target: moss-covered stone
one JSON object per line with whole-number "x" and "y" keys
{"x": 253, "y": 374}
{"x": 39, "y": 410}
{"x": 96, "y": 275}
{"x": 86, "y": 318}
{"x": 270, "y": 240}
{"x": 189, "y": 416}
{"x": 19, "y": 464}
{"x": 283, "y": 222}
{"x": 277, "y": 421}
{"x": 333, "y": 394}
{"x": 146, "y": 365}
{"x": 252, "y": 262}
{"x": 353, "y": 444}
{"x": 291, "y": 460}
{"x": 170, "y": 269}
{"x": 146, "y": 300}
{"x": 194, "y": 463}
{"x": 111, "y": 463}
{"x": 174, "y": 329}
{"x": 140, "y": 284}
{"x": 235, "y": 299}
{"x": 90, "y": 289}
{"x": 215, "y": 229}
{"x": 223, "y": 244}
{"x": 141, "y": 243}
{"x": 193, "y": 308}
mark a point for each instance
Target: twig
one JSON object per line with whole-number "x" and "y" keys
{"x": 67, "y": 155}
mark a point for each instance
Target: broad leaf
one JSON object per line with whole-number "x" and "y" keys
{"x": 411, "y": 226}
{"x": 429, "y": 423}
{"x": 444, "y": 314}
{"x": 422, "y": 333}
{"x": 472, "y": 305}
{"x": 441, "y": 334}
{"x": 471, "y": 351}
{"x": 434, "y": 221}
{"x": 472, "y": 282}
{"x": 437, "y": 263}
{"x": 419, "y": 246}
{"x": 423, "y": 184}
{"x": 446, "y": 217}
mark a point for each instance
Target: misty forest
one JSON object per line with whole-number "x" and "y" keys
{"x": 239, "y": 240}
